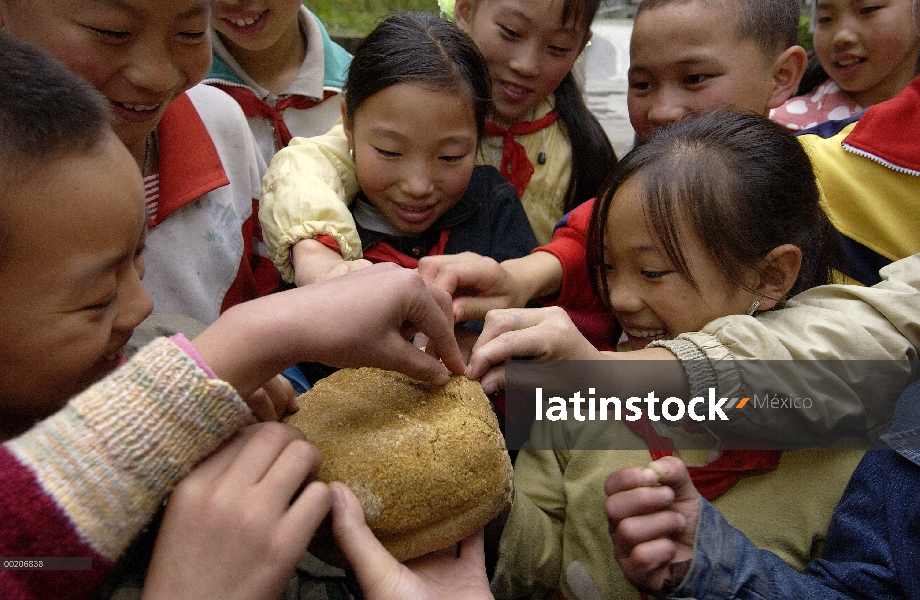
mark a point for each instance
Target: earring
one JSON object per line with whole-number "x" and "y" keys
{"x": 754, "y": 308}
{"x": 352, "y": 152}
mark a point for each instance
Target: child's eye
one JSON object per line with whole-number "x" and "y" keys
{"x": 640, "y": 86}
{"x": 193, "y": 36}
{"x": 654, "y": 274}
{"x": 559, "y": 50}
{"x": 509, "y": 32}
{"x": 102, "y": 305}
{"x": 695, "y": 79}
{"x": 386, "y": 153}
{"x": 824, "y": 20}
{"x": 115, "y": 36}
{"x": 869, "y": 9}
{"x": 452, "y": 159}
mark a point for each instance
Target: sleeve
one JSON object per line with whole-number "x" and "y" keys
{"x": 305, "y": 193}
{"x": 858, "y": 343}
{"x": 86, "y": 480}
{"x": 857, "y": 562}
{"x": 569, "y": 245}
{"x": 530, "y": 549}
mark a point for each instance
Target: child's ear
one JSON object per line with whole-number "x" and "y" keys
{"x": 779, "y": 271}
{"x": 787, "y": 70}
{"x": 463, "y": 15}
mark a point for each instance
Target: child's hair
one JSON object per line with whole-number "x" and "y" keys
{"x": 46, "y": 112}
{"x": 592, "y": 153}
{"x": 741, "y": 181}
{"x": 772, "y": 24}
{"x": 422, "y": 50}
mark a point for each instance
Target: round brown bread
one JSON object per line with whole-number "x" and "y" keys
{"x": 428, "y": 463}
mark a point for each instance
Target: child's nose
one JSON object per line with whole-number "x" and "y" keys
{"x": 622, "y": 299}
{"x": 137, "y": 306}
{"x": 152, "y": 68}
{"x": 844, "y": 37}
{"x": 526, "y": 61}
{"x": 666, "y": 108}
{"x": 417, "y": 182}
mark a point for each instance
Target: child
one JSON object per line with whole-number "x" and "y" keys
{"x": 871, "y": 549}
{"x": 83, "y": 470}
{"x": 554, "y": 152}
{"x": 685, "y": 57}
{"x": 863, "y": 54}
{"x": 280, "y": 65}
{"x": 690, "y": 182}
{"x": 200, "y": 165}
{"x": 420, "y": 193}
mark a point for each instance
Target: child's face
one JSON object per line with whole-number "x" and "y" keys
{"x": 71, "y": 277}
{"x": 411, "y": 170}
{"x": 869, "y": 48}
{"x": 141, "y": 54}
{"x": 687, "y": 57}
{"x": 528, "y": 48}
{"x": 650, "y": 299}
{"x": 255, "y": 28}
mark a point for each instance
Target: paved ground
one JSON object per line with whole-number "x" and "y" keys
{"x": 607, "y": 60}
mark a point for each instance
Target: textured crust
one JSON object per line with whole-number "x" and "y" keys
{"x": 428, "y": 463}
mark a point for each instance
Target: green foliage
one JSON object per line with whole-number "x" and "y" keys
{"x": 805, "y": 36}
{"x": 359, "y": 17}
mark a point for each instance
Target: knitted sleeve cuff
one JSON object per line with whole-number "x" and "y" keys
{"x": 113, "y": 453}
{"x": 700, "y": 374}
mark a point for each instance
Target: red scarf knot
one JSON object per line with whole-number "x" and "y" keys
{"x": 516, "y": 167}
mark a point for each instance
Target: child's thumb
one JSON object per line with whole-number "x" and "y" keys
{"x": 371, "y": 562}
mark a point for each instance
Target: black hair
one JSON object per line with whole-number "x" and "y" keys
{"x": 742, "y": 182}
{"x": 772, "y": 24}
{"x": 424, "y": 50}
{"x": 46, "y": 112}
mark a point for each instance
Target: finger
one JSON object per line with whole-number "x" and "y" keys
{"x": 262, "y": 406}
{"x": 634, "y": 531}
{"x": 493, "y": 380}
{"x": 305, "y": 515}
{"x": 475, "y": 308}
{"x": 647, "y": 564}
{"x": 370, "y": 560}
{"x": 629, "y": 478}
{"x": 673, "y": 472}
{"x": 638, "y": 501}
{"x": 296, "y": 464}
{"x": 261, "y": 450}
{"x": 218, "y": 462}
{"x": 281, "y": 392}
{"x": 472, "y": 549}
{"x": 434, "y": 318}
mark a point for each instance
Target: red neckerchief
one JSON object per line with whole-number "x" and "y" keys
{"x": 190, "y": 166}
{"x": 253, "y": 106}
{"x": 516, "y": 167}
{"x": 383, "y": 252}
{"x": 714, "y": 479}
{"x": 888, "y": 130}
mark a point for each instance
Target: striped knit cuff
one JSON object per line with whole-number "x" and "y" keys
{"x": 700, "y": 374}
{"x": 111, "y": 456}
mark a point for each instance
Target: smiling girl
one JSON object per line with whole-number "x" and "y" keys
{"x": 541, "y": 136}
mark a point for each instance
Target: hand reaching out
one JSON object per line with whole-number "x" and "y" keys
{"x": 653, "y": 513}
{"x": 439, "y": 575}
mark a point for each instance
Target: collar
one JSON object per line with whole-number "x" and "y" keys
{"x": 368, "y": 225}
{"x": 887, "y": 132}
{"x": 190, "y": 166}
{"x": 903, "y": 433}
{"x": 310, "y": 81}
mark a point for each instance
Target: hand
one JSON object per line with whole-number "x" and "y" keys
{"x": 654, "y": 513}
{"x": 478, "y": 283}
{"x": 434, "y": 576}
{"x": 236, "y": 527}
{"x": 273, "y": 400}
{"x": 362, "y": 319}
{"x": 542, "y": 333}
{"x": 314, "y": 262}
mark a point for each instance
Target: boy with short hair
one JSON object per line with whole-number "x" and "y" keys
{"x": 83, "y": 470}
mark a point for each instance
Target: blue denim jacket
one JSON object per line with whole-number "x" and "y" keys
{"x": 873, "y": 544}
